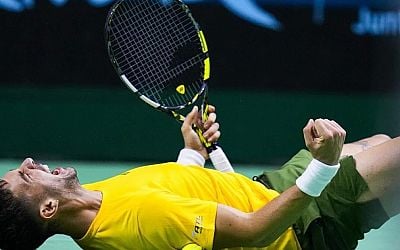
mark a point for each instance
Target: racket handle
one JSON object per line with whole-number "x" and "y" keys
{"x": 220, "y": 161}
{"x": 210, "y": 146}
{"x": 216, "y": 154}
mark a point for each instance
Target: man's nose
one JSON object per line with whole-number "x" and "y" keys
{"x": 27, "y": 163}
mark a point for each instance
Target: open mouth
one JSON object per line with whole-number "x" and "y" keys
{"x": 58, "y": 171}
{"x": 45, "y": 168}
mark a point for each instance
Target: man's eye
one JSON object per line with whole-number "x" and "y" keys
{"x": 24, "y": 176}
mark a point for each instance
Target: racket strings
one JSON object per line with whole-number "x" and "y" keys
{"x": 136, "y": 28}
{"x": 140, "y": 45}
{"x": 165, "y": 76}
{"x": 148, "y": 49}
{"x": 160, "y": 77}
{"x": 147, "y": 74}
{"x": 120, "y": 52}
{"x": 150, "y": 46}
{"x": 191, "y": 89}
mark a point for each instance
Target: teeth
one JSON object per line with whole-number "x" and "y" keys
{"x": 46, "y": 168}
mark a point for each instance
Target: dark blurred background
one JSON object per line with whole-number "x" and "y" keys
{"x": 274, "y": 65}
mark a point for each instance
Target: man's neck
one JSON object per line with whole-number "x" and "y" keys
{"x": 77, "y": 213}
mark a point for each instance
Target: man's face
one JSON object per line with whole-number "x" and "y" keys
{"x": 34, "y": 180}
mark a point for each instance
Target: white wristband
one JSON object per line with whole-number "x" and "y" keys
{"x": 316, "y": 177}
{"x": 220, "y": 161}
{"x": 190, "y": 157}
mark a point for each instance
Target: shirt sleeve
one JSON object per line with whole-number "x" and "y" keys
{"x": 170, "y": 221}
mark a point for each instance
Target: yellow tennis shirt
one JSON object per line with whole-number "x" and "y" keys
{"x": 168, "y": 206}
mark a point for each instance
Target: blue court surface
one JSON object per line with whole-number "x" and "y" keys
{"x": 386, "y": 237}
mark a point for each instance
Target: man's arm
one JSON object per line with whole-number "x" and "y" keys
{"x": 325, "y": 140}
{"x": 235, "y": 228}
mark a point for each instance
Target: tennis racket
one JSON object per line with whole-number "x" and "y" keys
{"x": 160, "y": 53}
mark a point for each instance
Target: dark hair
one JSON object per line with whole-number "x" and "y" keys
{"x": 19, "y": 229}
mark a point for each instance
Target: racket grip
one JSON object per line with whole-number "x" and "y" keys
{"x": 220, "y": 161}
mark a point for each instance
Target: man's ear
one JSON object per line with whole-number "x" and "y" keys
{"x": 48, "y": 208}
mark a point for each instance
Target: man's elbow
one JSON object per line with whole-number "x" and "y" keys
{"x": 256, "y": 238}
{"x": 259, "y": 236}
{"x": 241, "y": 237}
{"x": 263, "y": 242}
{"x": 235, "y": 228}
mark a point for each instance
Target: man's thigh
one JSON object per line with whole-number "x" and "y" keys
{"x": 379, "y": 166}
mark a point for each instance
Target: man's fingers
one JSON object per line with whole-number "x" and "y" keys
{"x": 324, "y": 138}
{"x": 190, "y": 119}
{"x": 211, "y": 109}
{"x": 339, "y": 128}
{"x": 212, "y": 117}
{"x": 211, "y": 131}
{"x": 214, "y": 137}
{"x": 324, "y": 130}
{"x": 210, "y": 127}
{"x": 332, "y": 129}
{"x": 308, "y": 133}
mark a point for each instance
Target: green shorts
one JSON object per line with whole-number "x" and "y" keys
{"x": 334, "y": 220}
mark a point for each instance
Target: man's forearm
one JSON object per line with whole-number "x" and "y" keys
{"x": 279, "y": 214}
{"x": 259, "y": 229}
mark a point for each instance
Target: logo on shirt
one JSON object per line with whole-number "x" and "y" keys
{"x": 198, "y": 226}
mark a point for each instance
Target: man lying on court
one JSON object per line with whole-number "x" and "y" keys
{"x": 325, "y": 198}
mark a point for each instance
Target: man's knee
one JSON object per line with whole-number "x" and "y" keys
{"x": 364, "y": 144}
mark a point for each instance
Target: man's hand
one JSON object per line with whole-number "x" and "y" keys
{"x": 210, "y": 130}
{"x": 324, "y": 138}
